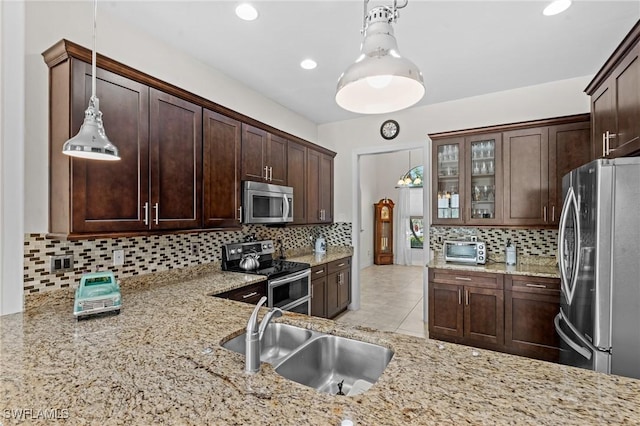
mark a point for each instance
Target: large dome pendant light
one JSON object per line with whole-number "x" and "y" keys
{"x": 380, "y": 81}
{"x": 91, "y": 142}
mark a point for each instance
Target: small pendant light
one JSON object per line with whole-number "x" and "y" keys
{"x": 380, "y": 80}
{"x": 91, "y": 142}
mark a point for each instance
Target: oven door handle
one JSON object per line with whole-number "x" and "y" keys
{"x": 289, "y": 278}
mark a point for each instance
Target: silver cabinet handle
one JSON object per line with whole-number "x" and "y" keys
{"x": 342, "y": 264}
{"x": 535, "y": 285}
{"x": 240, "y": 214}
{"x": 146, "y": 213}
{"x": 155, "y": 206}
{"x": 459, "y": 297}
{"x": 609, "y": 137}
{"x": 270, "y": 173}
{"x": 266, "y": 172}
{"x": 544, "y": 213}
{"x": 341, "y": 278}
{"x": 553, "y": 213}
{"x": 320, "y": 271}
{"x": 466, "y": 292}
{"x": 246, "y": 296}
{"x": 604, "y": 145}
{"x": 463, "y": 278}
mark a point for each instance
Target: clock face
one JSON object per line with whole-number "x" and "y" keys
{"x": 389, "y": 129}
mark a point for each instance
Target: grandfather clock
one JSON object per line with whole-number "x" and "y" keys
{"x": 383, "y": 232}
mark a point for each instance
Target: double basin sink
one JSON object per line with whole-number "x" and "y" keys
{"x": 330, "y": 364}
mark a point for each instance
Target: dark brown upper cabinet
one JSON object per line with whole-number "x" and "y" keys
{"x": 264, "y": 156}
{"x": 319, "y": 187}
{"x": 221, "y": 175}
{"x": 297, "y": 179}
{"x": 615, "y": 101}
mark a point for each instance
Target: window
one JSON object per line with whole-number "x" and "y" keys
{"x": 417, "y": 232}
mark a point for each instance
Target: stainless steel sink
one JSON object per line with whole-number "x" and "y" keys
{"x": 328, "y": 360}
{"x": 319, "y": 360}
{"x": 279, "y": 340}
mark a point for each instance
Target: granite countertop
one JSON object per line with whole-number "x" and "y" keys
{"x": 546, "y": 268}
{"x": 160, "y": 361}
{"x": 333, "y": 253}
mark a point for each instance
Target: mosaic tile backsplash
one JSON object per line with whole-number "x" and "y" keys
{"x": 531, "y": 242}
{"x": 155, "y": 253}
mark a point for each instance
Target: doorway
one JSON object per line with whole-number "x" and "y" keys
{"x": 410, "y": 281}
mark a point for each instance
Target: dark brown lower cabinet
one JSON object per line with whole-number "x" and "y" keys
{"x": 466, "y": 307}
{"x": 338, "y": 286}
{"x": 531, "y": 304}
{"x": 248, "y": 294}
{"x": 507, "y": 313}
{"x": 319, "y": 291}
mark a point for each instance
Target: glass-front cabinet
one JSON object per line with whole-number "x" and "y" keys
{"x": 467, "y": 176}
{"x": 484, "y": 166}
{"x": 448, "y": 178}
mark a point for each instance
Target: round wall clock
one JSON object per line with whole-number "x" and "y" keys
{"x": 389, "y": 129}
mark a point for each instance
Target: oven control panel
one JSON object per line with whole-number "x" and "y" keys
{"x": 235, "y": 251}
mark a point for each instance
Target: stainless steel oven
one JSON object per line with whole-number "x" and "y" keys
{"x": 291, "y": 292}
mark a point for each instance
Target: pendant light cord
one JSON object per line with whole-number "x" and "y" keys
{"x": 93, "y": 54}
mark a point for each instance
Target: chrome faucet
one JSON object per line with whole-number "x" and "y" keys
{"x": 254, "y": 336}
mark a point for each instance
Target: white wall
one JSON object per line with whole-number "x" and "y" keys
{"x": 12, "y": 113}
{"x": 368, "y": 196}
{"x": 49, "y": 21}
{"x": 554, "y": 99}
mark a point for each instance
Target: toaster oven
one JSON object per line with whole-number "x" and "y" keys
{"x": 465, "y": 252}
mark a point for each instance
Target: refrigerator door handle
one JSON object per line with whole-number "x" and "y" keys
{"x": 568, "y": 288}
{"x": 586, "y": 353}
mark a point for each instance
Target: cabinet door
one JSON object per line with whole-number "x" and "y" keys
{"x": 484, "y": 315}
{"x": 484, "y": 174}
{"x": 175, "y": 141}
{"x": 626, "y": 80}
{"x": 297, "y": 179}
{"x": 333, "y": 298}
{"x": 531, "y": 304}
{"x": 319, "y": 187}
{"x": 526, "y": 176}
{"x": 602, "y": 118}
{"x": 254, "y": 143}
{"x": 569, "y": 147}
{"x": 221, "y": 171}
{"x": 108, "y": 196}
{"x": 445, "y": 309}
{"x": 448, "y": 181}
{"x": 319, "y": 297}
{"x": 277, "y": 159}
{"x": 344, "y": 288}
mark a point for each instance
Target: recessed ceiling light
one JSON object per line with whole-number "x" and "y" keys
{"x": 555, "y": 7}
{"x": 308, "y": 64}
{"x": 247, "y": 12}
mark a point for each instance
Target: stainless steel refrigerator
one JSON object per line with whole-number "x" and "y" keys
{"x": 599, "y": 260}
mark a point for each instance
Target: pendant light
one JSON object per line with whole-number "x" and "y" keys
{"x": 91, "y": 142}
{"x": 380, "y": 80}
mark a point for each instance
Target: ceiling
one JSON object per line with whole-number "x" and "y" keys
{"x": 464, "y": 48}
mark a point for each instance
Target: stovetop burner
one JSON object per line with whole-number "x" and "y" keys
{"x": 273, "y": 268}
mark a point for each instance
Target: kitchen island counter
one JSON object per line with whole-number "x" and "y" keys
{"x": 160, "y": 361}
{"x": 542, "y": 269}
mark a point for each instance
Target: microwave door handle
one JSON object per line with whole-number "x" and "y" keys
{"x": 285, "y": 204}
{"x": 586, "y": 353}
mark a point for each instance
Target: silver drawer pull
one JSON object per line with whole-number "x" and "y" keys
{"x": 342, "y": 264}
{"x": 536, "y": 285}
{"x": 253, "y": 293}
{"x": 320, "y": 271}
{"x": 463, "y": 278}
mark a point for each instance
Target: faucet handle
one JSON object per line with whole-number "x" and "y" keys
{"x": 252, "y": 325}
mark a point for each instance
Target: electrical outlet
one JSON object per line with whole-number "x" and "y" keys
{"x": 63, "y": 263}
{"x": 439, "y": 239}
{"x": 195, "y": 249}
{"x": 118, "y": 257}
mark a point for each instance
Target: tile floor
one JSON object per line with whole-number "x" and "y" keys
{"x": 390, "y": 300}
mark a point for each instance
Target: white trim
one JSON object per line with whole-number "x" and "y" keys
{"x": 356, "y": 207}
{"x": 12, "y": 141}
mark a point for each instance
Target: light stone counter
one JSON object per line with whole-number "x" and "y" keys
{"x": 160, "y": 362}
{"x": 542, "y": 269}
{"x": 333, "y": 253}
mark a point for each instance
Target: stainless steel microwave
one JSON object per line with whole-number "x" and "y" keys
{"x": 465, "y": 252}
{"x": 266, "y": 203}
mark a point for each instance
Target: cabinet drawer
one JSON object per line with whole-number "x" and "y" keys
{"x": 338, "y": 265}
{"x": 467, "y": 278}
{"x": 319, "y": 271}
{"x": 249, "y": 294}
{"x": 529, "y": 284}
